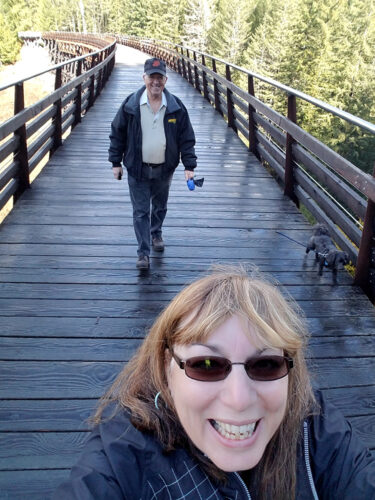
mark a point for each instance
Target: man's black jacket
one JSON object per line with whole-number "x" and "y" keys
{"x": 126, "y": 136}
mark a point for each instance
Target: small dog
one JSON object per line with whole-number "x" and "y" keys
{"x": 326, "y": 252}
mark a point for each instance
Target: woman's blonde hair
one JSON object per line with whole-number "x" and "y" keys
{"x": 192, "y": 316}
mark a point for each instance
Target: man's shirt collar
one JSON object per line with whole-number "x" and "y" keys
{"x": 144, "y": 99}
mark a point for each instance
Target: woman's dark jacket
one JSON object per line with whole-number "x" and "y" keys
{"x": 119, "y": 462}
{"x": 126, "y": 136}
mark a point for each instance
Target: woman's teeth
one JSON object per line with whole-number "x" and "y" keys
{"x": 234, "y": 431}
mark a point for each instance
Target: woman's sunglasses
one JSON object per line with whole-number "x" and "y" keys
{"x": 215, "y": 368}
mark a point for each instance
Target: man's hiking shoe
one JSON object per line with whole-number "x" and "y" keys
{"x": 158, "y": 244}
{"x": 143, "y": 262}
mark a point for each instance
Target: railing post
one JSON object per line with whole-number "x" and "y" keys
{"x": 57, "y": 119}
{"x": 252, "y": 136}
{"x": 216, "y": 89}
{"x": 78, "y": 99}
{"x": 189, "y": 68}
{"x": 176, "y": 63}
{"x": 364, "y": 276}
{"x": 20, "y": 156}
{"x": 184, "y": 73}
{"x": 230, "y": 107}
{"x": 204, "y": 78}
{"x": 289, "y": 177}
{"x": 99, "y": 85}
{"x": 92, "y": 84}
{"x": 196, "y": 76}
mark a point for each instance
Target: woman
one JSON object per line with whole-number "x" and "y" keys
{"x": 217, "y": 404}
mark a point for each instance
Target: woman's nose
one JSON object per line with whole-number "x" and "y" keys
{"x": 238, "y": 391}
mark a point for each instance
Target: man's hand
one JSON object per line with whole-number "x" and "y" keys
{"x": 117, "y": 172}
{"x": 189, "y": 174}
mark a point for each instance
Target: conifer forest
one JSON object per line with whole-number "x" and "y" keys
{"x": 325, "y": 48}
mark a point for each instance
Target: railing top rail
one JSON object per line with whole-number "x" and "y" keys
{"x": 52, "y": 68}
{"x": 354, "y": 120}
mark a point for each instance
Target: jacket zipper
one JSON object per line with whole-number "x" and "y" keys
{"x": 243, "y": 485}
{"x": 307, "y": 461}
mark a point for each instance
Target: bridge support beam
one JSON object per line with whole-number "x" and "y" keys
{"x": 365, "y": 267}
{"x": 21, "y": 156}
{"x": 57, "y": 120}
{"x": 231, "y": 120}
{"x": 289, "y": 176}
{"x": 252, "y": 137}
{"x": 216, "y": 89}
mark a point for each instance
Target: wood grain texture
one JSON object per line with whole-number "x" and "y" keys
{"x": 73, "y": 307}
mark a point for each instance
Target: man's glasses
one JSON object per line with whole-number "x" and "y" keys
{"x": 215, "y": 368}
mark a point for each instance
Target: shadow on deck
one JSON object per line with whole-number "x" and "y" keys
{"x": 74, "y": 307}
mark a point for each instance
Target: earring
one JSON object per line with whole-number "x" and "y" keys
{"x": 156, "y": 400}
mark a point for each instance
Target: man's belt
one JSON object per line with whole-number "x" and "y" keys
{"x": 152, "y": 165}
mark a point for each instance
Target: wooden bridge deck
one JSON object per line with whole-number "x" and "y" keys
{"x": 73, "y": 307}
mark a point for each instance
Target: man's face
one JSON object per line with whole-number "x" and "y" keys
{"x": 155, "y": 84}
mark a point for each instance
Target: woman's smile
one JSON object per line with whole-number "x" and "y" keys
{"x": 234, "y": 432}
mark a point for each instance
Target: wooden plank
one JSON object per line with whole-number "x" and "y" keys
{"x": 39, "y": 484}
{"x": 49, "y": 450}
{"x": 121, "y": 349}
{"x": 24, "y": 379}
{"x": 69, "y": 327}
{"x": 336, "y": 186}
{"x": 209, "y": 236}
{"x": 308, "y": 274}
{"x": 53, "y": 349}
{"x": 40, "y": 450}
{"x": 351, "y": 402}
{"x": 85, "y": 379}
{"x": 42, "y": 415}
{"x": 149, "y": 309}
{"x": 8, "y": 173}
{"x": 164, "y": 293}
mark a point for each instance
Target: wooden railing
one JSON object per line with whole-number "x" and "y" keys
{"x": 333, "y": 190}
{"x": 35, "y": 131}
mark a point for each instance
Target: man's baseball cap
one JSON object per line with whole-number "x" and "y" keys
{"x": 155, "y": 65}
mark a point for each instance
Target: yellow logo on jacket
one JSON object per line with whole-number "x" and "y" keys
{"x": 172, "y": 120}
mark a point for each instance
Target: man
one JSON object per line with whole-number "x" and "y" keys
{"x": 149, "y": 134}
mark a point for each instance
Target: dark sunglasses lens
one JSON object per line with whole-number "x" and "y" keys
{"x": 207, "y": 368}
{"x": 267, "y": 368}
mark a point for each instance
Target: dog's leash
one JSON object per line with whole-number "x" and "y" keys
{"x": 291, "y": 239}
{"x": 302, "y": 245}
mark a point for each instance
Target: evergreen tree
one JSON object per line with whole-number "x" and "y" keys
{"x": 348, "y": 79}
{"x": 229, "y": 32}
{"x": 198, "y": 20}
{"x": 9, "y": 43}
{"x": 267, "y": 49}
{"x": 138, "y": 19}
{"x": 166, "y": 19}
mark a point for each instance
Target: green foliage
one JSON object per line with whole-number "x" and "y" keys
{"x": 197, "y": 23}
{"x": 9, "y": 45}
{"x": 229, "y": 35}
{"x": 325, "y": 48}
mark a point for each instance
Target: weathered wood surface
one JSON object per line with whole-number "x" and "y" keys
{"x": 73, "y": 307}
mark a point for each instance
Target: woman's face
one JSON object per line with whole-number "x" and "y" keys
{"x": 213, "y": 414}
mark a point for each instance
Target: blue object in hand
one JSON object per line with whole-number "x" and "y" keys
{"x": 190, "y": 184}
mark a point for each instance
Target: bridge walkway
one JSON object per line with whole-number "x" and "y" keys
{"x": 73, "y": 307}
